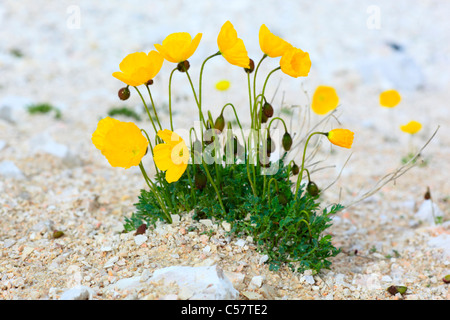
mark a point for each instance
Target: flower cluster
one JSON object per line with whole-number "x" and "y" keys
{"x": 201, "y": 169}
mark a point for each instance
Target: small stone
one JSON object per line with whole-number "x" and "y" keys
{"x": 256, "y": 282}
{"x": 206, "y": 222}
{"x": 263, "y": 259}
{"x": 240, "y": 242}
{"x": 140, "y": 239}
{"x": 226, "y": 226}
{"x": 446, "y": 279}
{"x": 77, "y": 293}
{"x": 111, "y": 262}
{"x": 9, "y": 170}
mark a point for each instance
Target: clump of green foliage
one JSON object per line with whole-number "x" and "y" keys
{"x": 290, "y": 231}
{"x": 44, "y": 108}
{"x": 124, "y": 111}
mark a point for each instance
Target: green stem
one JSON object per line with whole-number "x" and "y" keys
{"x": 152, "y": 188}
{"x": 214, "y": 185}
{"x": 146, "y": 108}
{"x": 201, "y": 76}
{"x": 153, "y": 105}
{"x": 299, "y": 180}
{"x": 170, "y": 98}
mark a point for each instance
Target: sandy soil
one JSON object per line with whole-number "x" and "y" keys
{"x": 59, "y": 181}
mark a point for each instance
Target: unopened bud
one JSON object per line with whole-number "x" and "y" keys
{"x": 282, "y": 199}
{"x": 183, "y": 66}
{"x": 270, "y": 145}
{"x": 286, "y": 141}
{"x": 268, "y": 110}
{"x": 263, "y": 117}
{"x": 295, "y": 169}
{"x": 200, "y": 180}
{"x": 251, "y": 67}
{"x": 124, "y": 93}
{"x": 219, "y": 124}
{"x": 312, "y": 189}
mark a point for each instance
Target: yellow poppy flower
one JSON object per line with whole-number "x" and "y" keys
{"x": 390, "y": 98}
{"x": 171, "y": 156}
{"x": 137, "y": 68}
{"x": 122, "y": 143}
{"x": 178, "y": 47}
{"x": 324, "y": 100}
{"x": 411, "y": 127}
{"x": 341, "y": 137}
{"x": 295, "y": 62}
{"x": 271, "y": 44}
{"x": 231, "y": 47}
{"x": 223, "y": 85}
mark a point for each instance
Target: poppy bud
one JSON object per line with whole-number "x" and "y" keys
{"x": 282, "y": 199}
{"x": 270, "y": 145}
{"x": 251, "y": 67}
{"x": 219, "y": 124}
{"x": 312, "y": 189}
{"x": 286, "y": 141}
{"x": 295, "y": 169}
{"x": 200, "y": 180}
{"x": 268, "y": 110}
{"x": 263, "y": 117}
{"x": 124, "y": 93}
{"x": 232, "y": 144}
{"x": 183, "y": 66}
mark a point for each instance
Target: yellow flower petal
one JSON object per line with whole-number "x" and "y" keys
{"x": 411, "y": 127}
{"x": 137, "y": 68}
{"x": 171, "y": 156}
{"x": 231, "y": 47}
{"x": 341, "y": 137}
{"x": 223, "y": 85}
{"x": 122, "y": 143}
{"x": 103, "y": 127}
{"x": 325, "y": 99}
{"x": 390, "y": 98}
{"x": 271, "y": 44}
{"x": 295, "y": 62}
{"x": 179, "y": 46}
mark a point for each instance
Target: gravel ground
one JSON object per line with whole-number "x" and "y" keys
{"x": 53, "y": 178}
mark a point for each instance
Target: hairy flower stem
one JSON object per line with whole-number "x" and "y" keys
{"x": 214, "y": 185}
{"x": 170, "y": 98}
{"x": 153, "y": 189}
{"x": 299, "y": 180}
{"x": 146, "y": 108}
{"x": 154, "y": 108}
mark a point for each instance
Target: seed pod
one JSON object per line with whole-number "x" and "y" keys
{"x": 286, "y": 141}
{"x": 251, "y": 67}
{"x": 295, "y": 169}
{"x": 124, "y": 93}
{"x": 312, "y": 189}
{"x": 219, "y": 124}
{"x": 268, "y": 110}
{"x": 183, "y": 66}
